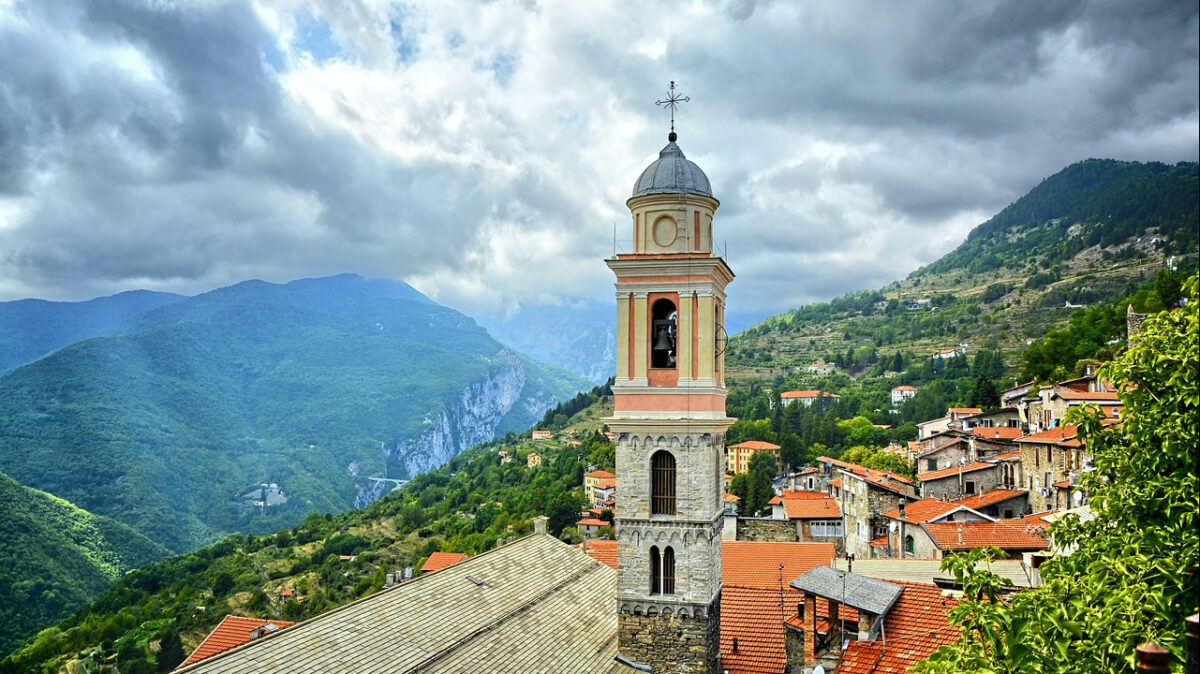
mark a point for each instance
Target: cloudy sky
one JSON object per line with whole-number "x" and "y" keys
{"x": 483, "y": 151}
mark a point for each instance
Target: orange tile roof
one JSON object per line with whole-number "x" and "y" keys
{"x": 881, "y": 478}
{"x": 232, "y": 631}
{"x": 1035, "y": 520}
{"x": 807, "y": 509}
{"x": 1004, "y": 534}
{"x": 592, "y": 522}
{"x": 731, "y": 498}
{"x": 1015, "y": 454}
{"x": 954, "y": 470}
{"x": 916, "y": 625}
{"x": 967, "y": 410}
{"x": 836, "y": 482}
{"x": 990, "y": 498}
{"x": 752, "y": 618}
{"x": 804, "y": 494}
{"x": 440, "y": 560}
{"x": 603, "y": 474}
{"x": 1061, "y": 435}
{"x": 602, "y": 551}
{"x": 754, "y": 444}
{"x": 606, "y": 484}
{"x": 922, "y": 511}
{"x": 906, "y": 387}
{"x": 880, "y": 542}
{"x": 997, "y": 432}
{"x": 1098, "y": 396}
{"x": 756, "y": 563}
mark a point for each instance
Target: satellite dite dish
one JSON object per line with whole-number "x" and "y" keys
{"x": 1078, "y": 498}
{"x": 818, "y": 670}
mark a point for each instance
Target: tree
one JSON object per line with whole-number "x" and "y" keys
{"x": 170, "y": 652}
{"x": 1132, "y": 575}
{"x": 760, "y": 477}
{"x": 985, "y": 395}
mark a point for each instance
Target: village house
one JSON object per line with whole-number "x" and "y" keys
{"x": 820, "y": 368}
{"x": 539, "y": 434}
{"x": 1003, "y": 503}
{"x": 814, "y": 515}
{"x": 903, "y": 539}
{"x": 1010, "y": 536}
{"x": 533, "y": 460}
{"x": 863, "y": 495}
{"x": 738, "y": 456}
{"x": 603, "y": 493}
{"x": 1050, "y": 465}
{"x": 440, "y": 560}
{"x": 958, "y": 481}
{"x": 806, "y": 397}
{"x": 595, "y": 477}
{"x": 952, "y": 352}
{"x": 901, "y": 394}
{"x": 590, "y": 526}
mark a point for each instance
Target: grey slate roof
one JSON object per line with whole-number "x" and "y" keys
{"x": 925, "y": 570}
{"x": 672, "y": 173}
{"x": 851, "y": 589}
{"x": 535, "y": 605}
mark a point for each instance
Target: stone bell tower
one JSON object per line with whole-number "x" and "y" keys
{"x": 669, "y": 420}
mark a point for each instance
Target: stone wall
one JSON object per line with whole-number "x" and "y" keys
{"x": 953, "y": 487}
{"x": 794, "y": 647}
{"x": 776, "y": 531}
{"x": 672, "y": 643}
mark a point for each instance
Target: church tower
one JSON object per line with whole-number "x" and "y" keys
{"x": 669, "y": 421}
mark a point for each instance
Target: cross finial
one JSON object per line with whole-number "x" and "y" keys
{"x": 672, "y": 101}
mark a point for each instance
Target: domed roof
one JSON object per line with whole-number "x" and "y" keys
{"x": 672, "y": 173}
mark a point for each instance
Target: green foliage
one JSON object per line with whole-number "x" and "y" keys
{"x": 754, "y": 487}
{"x": 985, "y": 394}
{"x": 1132, "y": 577}
{"x": 879, "y": 460}
{"x": 1053, "y": 357}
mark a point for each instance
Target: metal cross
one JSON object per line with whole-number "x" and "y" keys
{"x": 672, "y": 101}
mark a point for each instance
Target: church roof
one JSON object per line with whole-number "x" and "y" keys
{"x": 672, "y": 173}
{"x": 535, "y": 605}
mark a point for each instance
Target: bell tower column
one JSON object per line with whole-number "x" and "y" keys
{"x": 669, "y": 420}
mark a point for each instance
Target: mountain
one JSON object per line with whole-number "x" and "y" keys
{"x": 30, "y": 329}
{"x": 1092, "y": 233}
{"x": 578, "y": 336}
{"x": 56, "y": 557}
{"x": 248, "y": 407}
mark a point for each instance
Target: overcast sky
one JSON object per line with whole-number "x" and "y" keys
{"x": 483, "y": 152}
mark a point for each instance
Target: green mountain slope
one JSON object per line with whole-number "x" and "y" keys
{"x": 30, "y": 329}
{"x": 55, "y": 557}
{"x": 172, "y": 424}
{"x": 1092, "y": 233}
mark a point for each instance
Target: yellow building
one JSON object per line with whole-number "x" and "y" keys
{"x": 737, "y": 459}
{"x": 533, "y": 460}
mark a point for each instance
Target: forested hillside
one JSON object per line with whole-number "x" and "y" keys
{"x": 1093, "y": 233}
{"x": 30, "y": 329}
{"x": 469, "y": 505}
{"x": 174, "y": 425}
{"x": 56, "y": 557}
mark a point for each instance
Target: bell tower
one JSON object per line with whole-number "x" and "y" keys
{"x": 669, "y": 421}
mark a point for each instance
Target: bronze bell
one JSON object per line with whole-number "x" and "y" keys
{"x": 663, "y": 342}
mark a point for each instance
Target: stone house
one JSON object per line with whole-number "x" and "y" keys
{"x": 863, "y": 495}
{"x": 1011, "y": 536}
{"x": 1050, "y": 465}
{"x": 905, "y": 540}
{"x": 960, "y": 481}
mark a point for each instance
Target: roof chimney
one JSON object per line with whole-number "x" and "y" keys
{"x": 901, "y": 508}
{"x": 960, "y": 534}
{"x": 539, "y": 524}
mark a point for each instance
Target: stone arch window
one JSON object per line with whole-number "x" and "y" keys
{"x": 662, "y": 570}
{"x": 663, "y": 336}
{"x": 908, "y": 544}
{"x": 662, "y": 483}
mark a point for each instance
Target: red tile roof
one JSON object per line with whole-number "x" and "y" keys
{"x": 797, "y": 494}
{"x": 440, "y": 560}
{"x": 592, "y": 522}
{"x": 966, "y": 410}
{"x": 752, "y": 636}
{"x": 602, "y": 551}
{"x": 731, "y": 498}
{"x": 1015, "y": 454}
{"x": 1105, "y": 396}
{"x": 754, "y": 444}
{"x": 954, "y": 470}
{"x": 1035, "y": 520}
{"x": 1061, "y": 435}
{"x": 602, "y": 474}
{"x": 232, "y": 631}
{"x": 922, "y": 511}
{"x": 880, "y": 478}
{"x": 916, "y": 626}
{"x": 756, "y": 563}
{"x": 1005, "y": 534}
{"x": 906, "y": 387}
{"x": 808, "y": 393}
{"x": 990, "y": 498}
{"x": 606, "y": 484}
{"x": 807, "y": 509}
{"x": 997, "y": 432}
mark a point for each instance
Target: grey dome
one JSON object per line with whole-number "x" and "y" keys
{"x": 672, "y": 173}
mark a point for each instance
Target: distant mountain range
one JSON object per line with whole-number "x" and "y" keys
{"x": 578, "y": 336}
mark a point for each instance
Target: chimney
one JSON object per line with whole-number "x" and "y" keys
{"x": 539, "y": 524}
{"x": 960, "y": 534}
{"x": 1153, "y": 659}
{"x": 901, "y": 508}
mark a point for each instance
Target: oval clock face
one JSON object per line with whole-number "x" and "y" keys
{"x": 665, "y": 231}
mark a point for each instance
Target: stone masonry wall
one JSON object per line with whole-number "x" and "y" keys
{"x": 672, "y": 644}
{"x": 776, "y": 531}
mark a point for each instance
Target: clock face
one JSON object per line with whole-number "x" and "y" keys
{"x": 665, "y": 231}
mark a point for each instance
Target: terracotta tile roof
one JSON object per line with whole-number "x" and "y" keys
{"x": 592, "y": 522}
{"x": 756, "y": 563}
{"x": 1015, "y": 454}
{"x": 440, "y": 560}
{"x": 990, "y": 498}
{"x": 807, "y": 509}
{"x": 1036, "y": 519}
{"x": 731, "y": 498}
{"x": 1004, "y": 534}
{"x": 1061, "y": 435}
{"x": 1065, "y": 484}
{"x": 232, "y": 631}
{"x": 1099, "y": 396}
{"x": 880, "y": 478}
{"x": 916, "y": 625}
{"x": 880, "y": 542}
{"x": 836, "y": 482}
{"x": 966, "y": 410}
{"x": 804, "y": 494}
{"x": 754, "y": 444}
{"x": 922, "y": 511}
{"x": 997, "y": 432}
{"x": 954, "y": 470}
{"x": 906, "y": 387}
{"x": 752, "y": 636}
{"x": 606, "y": 484}
{"x": 602, "y": 551}
{"x": 602, "y": 474}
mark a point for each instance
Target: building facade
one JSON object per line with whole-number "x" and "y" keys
{"x": 669, "y": 421}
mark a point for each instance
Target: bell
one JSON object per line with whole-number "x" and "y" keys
{"x": 663, "y": 343}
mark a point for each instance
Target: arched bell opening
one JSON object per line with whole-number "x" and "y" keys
{"x": 664, "y": 334}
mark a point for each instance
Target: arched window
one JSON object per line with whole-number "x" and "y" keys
{"x": 662, "y": 483}
{"x": 663, "y": 334}
{"x": 662, "y": 570}
{"x": 908, "y": 544}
